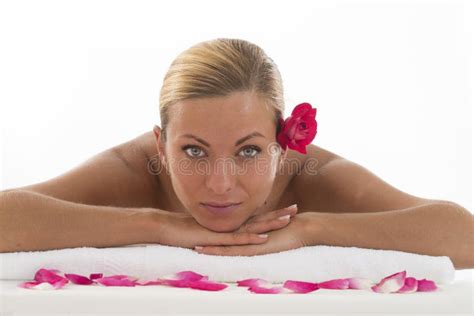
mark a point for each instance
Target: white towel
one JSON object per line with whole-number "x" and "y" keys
{"x": 150, "y": 261}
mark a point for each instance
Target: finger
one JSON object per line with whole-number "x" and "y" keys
{"x": 266, "y": 226}
{"x": 251, "y": 250}
{"x": 237, "y": 238}
{"x": 267, "y": 222}
{"x": 291, "y": 210}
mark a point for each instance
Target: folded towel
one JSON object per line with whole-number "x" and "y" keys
{"x": 150, "y": 261}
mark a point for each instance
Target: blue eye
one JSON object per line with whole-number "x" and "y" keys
{"x": 254, "y": 151}
{"x": 193, "y": 150}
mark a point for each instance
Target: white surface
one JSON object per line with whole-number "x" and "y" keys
{"x": 455, "y": 298}
{"x": 148, "y": 261}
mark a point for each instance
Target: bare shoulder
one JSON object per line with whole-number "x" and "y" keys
{"x": 143, "y": 157}
{"x": 303, "y": 171}
{"x": 310, "y": 187}
{"x": 118, "y": 176}
{"x": 146, "y": 143}
{"x": 333, "y": 184}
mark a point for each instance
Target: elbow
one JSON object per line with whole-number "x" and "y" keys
{"x": 465, "y": 254}
{"x": 457, "y": 208}
{"x": 8, "y": 223}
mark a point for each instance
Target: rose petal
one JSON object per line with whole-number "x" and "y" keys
{"x": 263, "y": 290}
{"x": 301, "y": 109}
{"x": 117, "y": 280}
{"x": 35, "y": 285}
{"x": 300, "y": 286}
{"x": 261, "y": 286}
{"x": 95, "y": 276}
{"x": 198, "y": 285}
{"x": 360, "y": 283}
{"x": 208, "y": 286}
{"x": 47, "y": 275}
{"x": 410, "y": 286}
{"x": 78, "y": 279}
{"x": 337, "y": 284}
{"x": 60, "y": 284}
{"x": 45, "y": 279}
{"x": 425, "y": 285}
{"x": 391, "y": 284}
{"x": 250, "y": 282}
{"x": 190, "y": 279}
{"x": 190, "y": 275}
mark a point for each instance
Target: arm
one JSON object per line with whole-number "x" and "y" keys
{"x": 31, "y": 221}
{"x": 437, "y": 229}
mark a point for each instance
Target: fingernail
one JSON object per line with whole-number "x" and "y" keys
{"x": 285, "y": 217}
{"x": 294, "y": 206}
{"x": 197, "y": 247}
{"x": 263, "y": 236}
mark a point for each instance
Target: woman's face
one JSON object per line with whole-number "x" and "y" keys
{"x": 221, "y": 150}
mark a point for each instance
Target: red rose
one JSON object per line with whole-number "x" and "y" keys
{"x": 298, "y": 130}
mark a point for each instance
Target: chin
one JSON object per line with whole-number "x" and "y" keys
{"x": 221, "y": 227}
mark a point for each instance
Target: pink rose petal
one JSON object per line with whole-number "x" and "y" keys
{"x": 190, "y": 279}
{"x": 117, "y": 280}
{"x": 35, "y": 285}
{"x": 410, "y": 286}
{"x": 250, "y": 282}
{"x": 300, "y": 286}
{"x": 426, "y": 286}
{"x": 261, "y": 286}
{"x": 337, "y": 284}
{"x": 95, "y": 276}
{"x": 360, "y": 283}
{"x": 45, "y": 279}
{"x": 50, "y": 276}
{"x": 60, "y": 284}
{"x": 190, "y": 275}
{"x": 78, "y": 279}
{"x": 208, "y": 286}
{"x": 391, "y": 284}
{"x": 264, "y": 290}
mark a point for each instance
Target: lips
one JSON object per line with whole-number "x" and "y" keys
{"x": 215, "y": 204}
{"x": 224, "y": 209}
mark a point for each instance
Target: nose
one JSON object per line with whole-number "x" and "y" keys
{"x": 222, "y": 176}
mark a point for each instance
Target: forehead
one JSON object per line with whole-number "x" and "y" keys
{"x": 234, "y": 114}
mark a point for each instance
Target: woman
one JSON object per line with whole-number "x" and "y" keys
{"x": 218, "y": 174}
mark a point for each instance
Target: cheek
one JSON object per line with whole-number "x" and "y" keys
{"x": 262, "y": 169}
{"x": 185, "y": 181}
{"x": 259, "y": 178}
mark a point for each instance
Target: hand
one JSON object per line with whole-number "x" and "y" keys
{"x": 269, "y": 221}
{"x": 296, "y": 234}
{"x": 182, "y": 230}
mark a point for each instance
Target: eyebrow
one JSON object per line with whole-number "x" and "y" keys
{"x": 238, "y": 142}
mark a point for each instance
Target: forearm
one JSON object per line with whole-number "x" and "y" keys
{"x": 30, "y": 222}
{"x": 433, "y": 229}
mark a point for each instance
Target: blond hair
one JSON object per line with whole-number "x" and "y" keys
{"x": 219, "y": 67}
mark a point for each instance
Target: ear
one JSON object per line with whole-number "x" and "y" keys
{"x": 281, "y": 160}
{"x": 160, "y": 146}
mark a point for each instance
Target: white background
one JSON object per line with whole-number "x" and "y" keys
{"x": 391, "y": 79}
